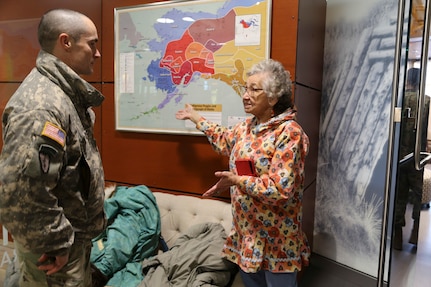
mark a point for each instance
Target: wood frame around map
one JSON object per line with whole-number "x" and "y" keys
{"x": 149, "y": 118}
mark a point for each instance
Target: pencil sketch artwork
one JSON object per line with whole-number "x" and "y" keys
{"x": 355, "y": 119}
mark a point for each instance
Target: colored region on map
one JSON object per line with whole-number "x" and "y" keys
{"x": 194, "y": 52}
{"x": 186, "y": 52}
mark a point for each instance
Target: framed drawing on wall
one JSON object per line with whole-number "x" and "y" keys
{"x": 176, "y": 52}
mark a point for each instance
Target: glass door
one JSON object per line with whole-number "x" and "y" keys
{"x": 412, "y": 149}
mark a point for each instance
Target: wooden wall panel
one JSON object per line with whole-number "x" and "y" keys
{"x": 284, "y": 33}
{"x": 6, "y": 91}
{"x": 310, "y": 43}
{"x": 24, "y": 15}
{"x": 308, "y": 104}
{"x": 98, "y": 123}
{"x": 24, "y": 9}
{"x": 18, "y": 48}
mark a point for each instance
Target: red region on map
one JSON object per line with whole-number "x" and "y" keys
{"x": 194, "y": 52}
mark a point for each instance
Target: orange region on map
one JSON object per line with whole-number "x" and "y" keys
{"x": 194, "y": 52}
{"x": 208, "y": 47}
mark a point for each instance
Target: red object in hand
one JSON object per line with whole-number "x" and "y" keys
{"x": 245, "y": 167}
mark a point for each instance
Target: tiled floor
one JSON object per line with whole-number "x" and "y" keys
{"x": 411, "y": 266}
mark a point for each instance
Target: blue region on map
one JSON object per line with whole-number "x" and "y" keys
{"x": 159, "y": 76}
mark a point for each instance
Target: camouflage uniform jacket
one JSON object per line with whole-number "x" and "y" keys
{"x": 408, "y": 124}
{"x": 51, "y": 175}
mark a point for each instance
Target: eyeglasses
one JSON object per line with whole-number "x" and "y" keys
{"x": 249, "y": 90}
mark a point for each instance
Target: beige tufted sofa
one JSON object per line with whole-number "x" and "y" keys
{"x": 179, "y": 212}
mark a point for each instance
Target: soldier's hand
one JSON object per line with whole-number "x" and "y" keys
{"x": 51, "y": 264}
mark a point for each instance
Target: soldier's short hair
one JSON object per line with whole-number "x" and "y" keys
{"x": 57, "y": 21}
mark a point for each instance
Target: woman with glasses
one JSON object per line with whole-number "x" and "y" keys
{"x": 266, "y": 179}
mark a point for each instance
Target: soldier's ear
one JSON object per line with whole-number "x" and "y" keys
{"x": 65, "y": 41}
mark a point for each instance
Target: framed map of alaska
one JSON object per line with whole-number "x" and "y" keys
{"x": 171, "y": 53}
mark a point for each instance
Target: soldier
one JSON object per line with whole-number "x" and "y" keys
{"x": 51, "y": 175}
{"x": 410, "y": 180}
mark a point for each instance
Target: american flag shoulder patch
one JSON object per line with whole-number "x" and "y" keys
{"x": 54, "y": 132}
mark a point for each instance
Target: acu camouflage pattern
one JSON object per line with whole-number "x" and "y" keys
{"x": 47, "y": 211}
{"x": 410, "y": 180}
{"x": 408, "y": 129}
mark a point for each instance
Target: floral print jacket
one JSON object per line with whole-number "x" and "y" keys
{"x": 267, "y": 208}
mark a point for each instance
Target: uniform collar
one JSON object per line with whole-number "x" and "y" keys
{"x": 79, "y": 90}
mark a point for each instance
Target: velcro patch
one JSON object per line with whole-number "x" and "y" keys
{"x": 55, "y": 133}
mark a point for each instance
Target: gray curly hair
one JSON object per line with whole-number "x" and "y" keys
{"x": 276, "y": 84}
